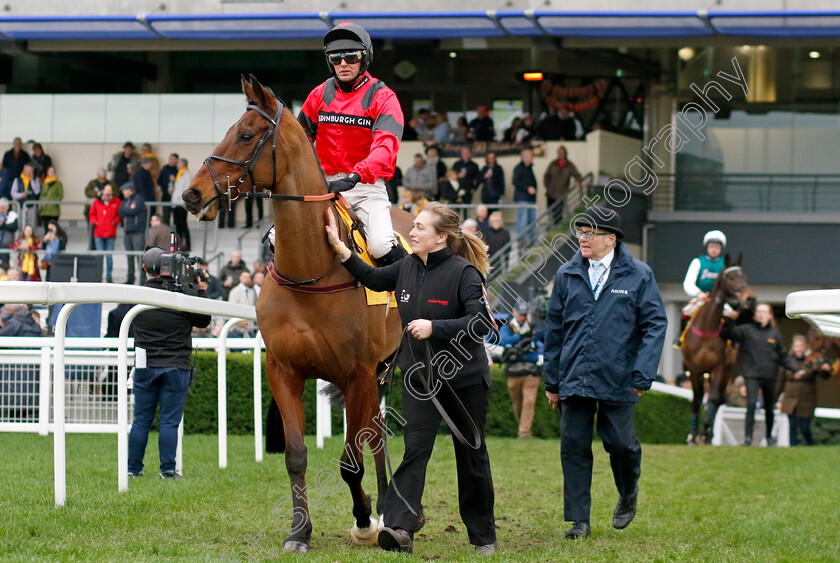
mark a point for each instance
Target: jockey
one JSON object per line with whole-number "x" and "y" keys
{"x": 356, "y": 124}
{"x": 703, "y": 271}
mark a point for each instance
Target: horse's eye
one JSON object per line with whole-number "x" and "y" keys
{"x": 245, "y": 137}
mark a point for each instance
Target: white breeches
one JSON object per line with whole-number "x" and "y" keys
{"x": 371, "y": 204}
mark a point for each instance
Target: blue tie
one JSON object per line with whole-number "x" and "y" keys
{"x": 596, "y": 278}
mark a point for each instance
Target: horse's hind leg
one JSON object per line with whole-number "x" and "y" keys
{"x": 717, "y": 396}
{"x": 287, "y": 389}
{"x": 362, "y": 414}
{"x": 697, "y": 387}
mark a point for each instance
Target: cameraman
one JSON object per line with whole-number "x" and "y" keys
{"x": 163, "y": 344}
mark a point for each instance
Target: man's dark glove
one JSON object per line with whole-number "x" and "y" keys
{"x": 344, "y": 184}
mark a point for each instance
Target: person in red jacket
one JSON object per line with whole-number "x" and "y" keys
{"x": 104, "y": 218}
{"x": 356, "y": 124}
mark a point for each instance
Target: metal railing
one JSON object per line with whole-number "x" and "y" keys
{"x": 779, "y": 193}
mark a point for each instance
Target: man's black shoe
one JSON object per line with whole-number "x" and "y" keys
{"x": 579, "y": 530}
{"x": 135, "y": 475}
{"x": 395, "y": 540}
{"x": 168, "y": 475}
{"x": 625, "y": 510}
{"x": 748, "y": 441}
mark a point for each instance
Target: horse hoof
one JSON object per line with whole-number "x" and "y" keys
{"x": 366, "y": 536}
{"x": 294, "y": 546}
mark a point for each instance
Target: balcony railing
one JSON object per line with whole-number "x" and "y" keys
{"x": 775, "y": 193}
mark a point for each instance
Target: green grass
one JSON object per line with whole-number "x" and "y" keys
{"x": 699, "y": 504}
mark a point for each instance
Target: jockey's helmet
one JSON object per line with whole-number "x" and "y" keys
{"x": 349, "y": 37}
{"x": 715, "y": 236}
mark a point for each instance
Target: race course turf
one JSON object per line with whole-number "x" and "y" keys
{"x": 696, "y": 504}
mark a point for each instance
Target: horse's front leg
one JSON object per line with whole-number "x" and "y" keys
{"x": 287, "y": 389}
{"x": 697, "y": 388}
{"x": 717, "y": 396}
{"x": 362, "y": 417}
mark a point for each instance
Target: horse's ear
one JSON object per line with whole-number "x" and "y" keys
{"x": 247, "y": 88}
{"x": 726, "y": 261}
{"x": 259, "y": 92}
{"x": 740, "y": 258}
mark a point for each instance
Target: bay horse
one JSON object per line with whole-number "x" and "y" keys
{"x": 705, "y": 352}
{"x": 314, "y": 319}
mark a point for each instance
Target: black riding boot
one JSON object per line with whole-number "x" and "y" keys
{"x": 396, "y": 253}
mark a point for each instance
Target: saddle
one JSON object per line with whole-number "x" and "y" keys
{"x": 357, "y": 239}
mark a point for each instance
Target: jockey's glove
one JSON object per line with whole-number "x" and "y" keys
{"x": 346, "y": 183}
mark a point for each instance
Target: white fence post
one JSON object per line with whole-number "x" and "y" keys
{"x": 323, "y": 422}
{"x": 59, "y": 446}
{"x": 44, "y": 392}
{"x": 179, "y": 449}
{"x": 222, "y": 391}
{"x": 258, "y": 427}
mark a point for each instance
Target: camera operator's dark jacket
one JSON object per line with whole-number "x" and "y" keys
{"x": 166, "y": 334}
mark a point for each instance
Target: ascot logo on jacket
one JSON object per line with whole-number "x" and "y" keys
{"x": 621, "y": 291}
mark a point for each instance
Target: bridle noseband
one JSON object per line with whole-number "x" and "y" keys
{"x": 233, "y": 192}
{"x": 732, "y": 298}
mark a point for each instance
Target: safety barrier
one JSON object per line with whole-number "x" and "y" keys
{"x": 55, "y": 349}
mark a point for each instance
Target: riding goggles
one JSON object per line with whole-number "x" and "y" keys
{"x": 587, "y": 235}
{"x": 350, "y": 57}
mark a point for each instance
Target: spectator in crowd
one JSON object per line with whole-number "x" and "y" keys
{"x": 104, "y": 216}
{"x": 491, "y": 179}
{"x": 26, "y": 187}
{"x": 760, "y": 351}
{"x": 423, "y": 127}
{"x": 799, "y": 390}
{"x": 736, "y": 391}
{"x": 15, "y": 159}
{"x": 159, "y": 233}
{"x": 526, "y": 132}
{"x": 41, "y": 162}
{"x": 122, "y": 163}
{"x": 410, "y": 130}
{"x": 249, "y": 211}
{"x": 470, "y": 226}
{"x": 421, "y": 178}
{"x": 481, "y": 219}
{"x": 13, "y": 274}
{"x": 143, "y": 182}
{"x": 19, "y": 321}
{"x": 27, "y": 243}
{"x": 557, "y": 125}
{"x": 510, "y": 133}
{"x": 8, "y": 224}
{"x": 468, "y": 175}
{"x": 133, "y": 214}
{"x": 55, "y": 241}
{"x": 497, "y": 235}
{"x": 183, "y": 179}
{"x": 166, "y": 185}
{"x": 243, "y": 293}
{"x": 259, "y": 279}
{"x": 449, "y": 187}
{"x": 434, "y": 162}
{"x": 258, "y": 267}
{"x": 229, "y": 275}
{"x": 442, "y": 133}
{"x": 413, "y": 201}
{"x": 557, "y": 178}
{"x": 392, "y": 185}
{"x": 214, "y": 287}
{"x": 146, "y": 152}
{"x": 482, "y": 128}
{"x": 601, "y": 353}
{"x": 523, "y": 350}
{"x": 525, "y": 190}
{"x": 52, "y": 190}
{"x": 164, "y": 377}
{"x": 459, "y": 134}
{"x": 93, "y": 190}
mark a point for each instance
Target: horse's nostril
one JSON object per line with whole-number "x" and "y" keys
{"x": 191, "y": 195}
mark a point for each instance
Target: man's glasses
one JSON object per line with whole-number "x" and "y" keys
{"x": 588, "y": 235}
{"x": 350, "y": 57}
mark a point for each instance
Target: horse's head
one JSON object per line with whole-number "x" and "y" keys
{"x": 732, "y": 282}
{"x": 246, "y": 160}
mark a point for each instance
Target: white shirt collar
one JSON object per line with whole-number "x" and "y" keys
{"x": 606, "y": 260}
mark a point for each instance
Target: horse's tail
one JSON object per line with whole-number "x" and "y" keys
{"x": 334, "y": 394}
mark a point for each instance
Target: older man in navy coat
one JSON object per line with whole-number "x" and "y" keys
{"x": 605, "y": 329}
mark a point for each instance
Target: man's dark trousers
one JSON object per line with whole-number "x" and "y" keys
{"x": 475, "y": 484}
{"x": 615, "y": 427}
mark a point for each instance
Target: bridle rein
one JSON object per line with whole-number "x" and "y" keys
{"x": 235, "y": 191}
